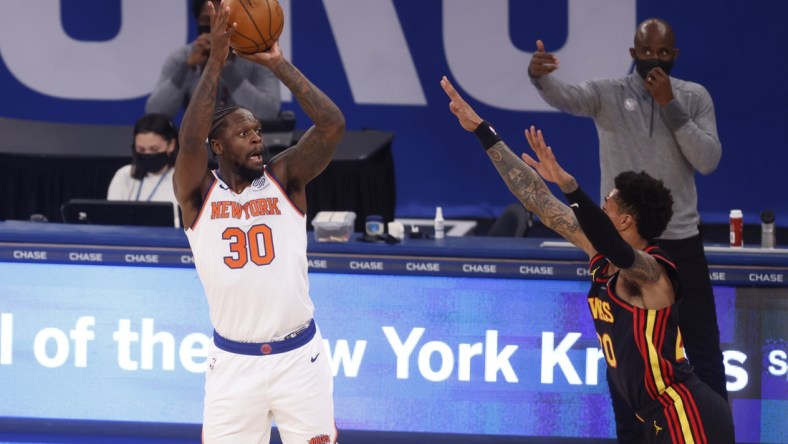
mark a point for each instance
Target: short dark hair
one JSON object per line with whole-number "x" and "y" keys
{"x": 219, "y": 121}
{"x": 156, "y": 124}
{"x": 647, "y": 199}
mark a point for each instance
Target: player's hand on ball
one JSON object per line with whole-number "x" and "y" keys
{"x": 267, "y": 58}
{"x": 221, "y": 31}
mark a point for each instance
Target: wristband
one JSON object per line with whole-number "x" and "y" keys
{"x": 486, "y": 135}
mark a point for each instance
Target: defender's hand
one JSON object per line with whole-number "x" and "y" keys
{"x": 547, "y": 166}
{"x": 460, "y": 108}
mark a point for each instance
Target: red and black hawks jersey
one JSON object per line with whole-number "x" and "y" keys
{"x": 250, "y": 253}
{"x": 643, "y": 348}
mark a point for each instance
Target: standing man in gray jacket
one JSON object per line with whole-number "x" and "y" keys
{"x": 649, "y": 121}
{"x": 241, "y": 83}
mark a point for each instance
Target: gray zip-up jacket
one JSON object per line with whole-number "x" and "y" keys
{"x": 637, "y": 134}
{"x": 242, "y": 83}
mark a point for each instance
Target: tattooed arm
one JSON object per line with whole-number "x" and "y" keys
{"x": 648, "y": 286}
{"x": 526, "y": 184}
{"x": 523, "y": 180}
{"x": 636, "y": 265}
{"x": 192, "y": 178}
{"x": 299, "y": 164}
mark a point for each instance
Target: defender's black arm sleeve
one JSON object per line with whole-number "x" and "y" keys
{"x": 600, "y": 230}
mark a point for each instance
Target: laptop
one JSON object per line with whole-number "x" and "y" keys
{"x": 118, "y": 212}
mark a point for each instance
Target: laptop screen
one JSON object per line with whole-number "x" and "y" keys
{"x": 118, "y": 212}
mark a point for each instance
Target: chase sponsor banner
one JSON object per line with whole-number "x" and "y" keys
{"x": 761, "y": 276}
{"x": 95, "y": 61}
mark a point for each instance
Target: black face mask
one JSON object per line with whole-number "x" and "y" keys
{"x": 203, "y": 29}
{"x": 151, "y": 163}
{"x": 643, "y": 67}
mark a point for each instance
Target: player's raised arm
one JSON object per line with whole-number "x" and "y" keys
{"x": 523, "y": 181}
{"x": 192, "y": 177}
{"x": 296, "y": 166}
{"x": 638, "y": 266}
{"x": 598, "y": 230}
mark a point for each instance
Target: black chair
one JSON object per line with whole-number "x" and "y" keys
{"x": 278, "y": 133}
{"x": 513, "y": 222}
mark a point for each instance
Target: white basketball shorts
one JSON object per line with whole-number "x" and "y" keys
{"x": 244, "y": 393}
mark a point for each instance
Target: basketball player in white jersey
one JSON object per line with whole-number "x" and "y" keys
{"x": 246, "y": 225}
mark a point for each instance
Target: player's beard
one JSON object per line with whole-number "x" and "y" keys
{"x": 250, "y": 174}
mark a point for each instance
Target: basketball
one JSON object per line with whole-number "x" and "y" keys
{"x": 260, "y": 23}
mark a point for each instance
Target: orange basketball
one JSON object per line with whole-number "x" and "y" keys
{"x": 260, "y": 23}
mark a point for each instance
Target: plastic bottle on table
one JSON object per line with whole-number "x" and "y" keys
{"x": 438, "y": 222}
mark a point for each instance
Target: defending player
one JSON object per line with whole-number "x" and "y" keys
{"x": 634, "y": 285}
{"x": 246, "y": 226}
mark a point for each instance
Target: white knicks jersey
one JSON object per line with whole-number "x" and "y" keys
{"x": 250, "y": 253}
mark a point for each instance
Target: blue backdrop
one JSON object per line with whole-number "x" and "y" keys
{"x": 95, "y": 62}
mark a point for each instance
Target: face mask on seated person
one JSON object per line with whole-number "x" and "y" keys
{"x": 151, "y": 163}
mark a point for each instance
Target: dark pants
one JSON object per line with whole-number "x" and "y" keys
{"x": 699, "y": 330}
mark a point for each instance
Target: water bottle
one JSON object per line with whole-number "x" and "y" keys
{"x": 767, "y": 229}
{"x": 438, "y": 222}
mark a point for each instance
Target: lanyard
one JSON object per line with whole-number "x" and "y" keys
{"x": 156, "y": 187}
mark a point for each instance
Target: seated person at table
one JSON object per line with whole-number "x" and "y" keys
{"x": 149, "y": 176}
